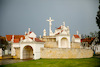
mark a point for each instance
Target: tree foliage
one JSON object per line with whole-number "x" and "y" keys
{"x": 91, "y": 35}
{"x": 98, "y": 17}
{"x": 98, "y": 22}
{"x": 3, "y": 42}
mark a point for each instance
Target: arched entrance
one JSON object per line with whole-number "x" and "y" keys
{"x": 27, "y": 52}
{"x": 64, "y": 43}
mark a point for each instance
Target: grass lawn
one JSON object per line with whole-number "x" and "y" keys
{"x": 87, "y": 62}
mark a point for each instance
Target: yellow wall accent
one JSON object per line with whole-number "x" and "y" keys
{"x": 1, "y": 57}
{"x": 14, "y": 57}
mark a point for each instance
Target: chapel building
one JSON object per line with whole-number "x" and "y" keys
{"x": 28, "y": 46}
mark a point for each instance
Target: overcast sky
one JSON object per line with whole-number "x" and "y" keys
{"x": 16, "y": 16}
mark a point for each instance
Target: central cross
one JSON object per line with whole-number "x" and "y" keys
{"x": 50, "y": 20}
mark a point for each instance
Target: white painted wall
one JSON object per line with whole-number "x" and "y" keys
{"x": 37, "y": 50}
{"x": 0, "y": 52}
{"x": 97, "y": 48}
{"x": 76, "y": 39}
{"x": 58, "y": 38}
{"x": 32, "y": 35}
{"x": 64, "y": 43}
{"x": 35, "y": 46}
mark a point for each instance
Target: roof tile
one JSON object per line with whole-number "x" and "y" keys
{"x": 9, "y": 37}
{"x": 76, "y": 36}
{"x": 38, "y": 40}
{"x": 59, "y": 27}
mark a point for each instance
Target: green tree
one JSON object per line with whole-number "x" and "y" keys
{"x": 94, "y": 34}
{"x": 98, "y": 21}
{"x": 98, "y": 17}
{"x": 91, "y": 35}
{"x": 3, "y": 42}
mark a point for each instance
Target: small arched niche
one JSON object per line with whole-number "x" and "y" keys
{"x": 64, "y": 43}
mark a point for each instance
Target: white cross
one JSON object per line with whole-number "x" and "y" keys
{"x": 50, "y": 20}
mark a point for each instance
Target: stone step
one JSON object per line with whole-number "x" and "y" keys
{"x": 7, "y": 57}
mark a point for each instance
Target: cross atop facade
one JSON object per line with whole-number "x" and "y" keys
{"x": 50, "y": 20}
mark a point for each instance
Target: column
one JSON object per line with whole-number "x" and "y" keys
{"x": 21, "y": 52}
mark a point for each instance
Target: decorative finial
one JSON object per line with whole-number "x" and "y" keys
{"x": 77, "y": 32}
{"x": 25, "y": 32}
{"x": 64, "y": 23}
{"x": 44, "y": 32}
{"x": 40, "y": 36}
{"x": 28, "y": 29}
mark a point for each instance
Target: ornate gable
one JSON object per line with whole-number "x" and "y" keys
{"x": 27, "y": 39}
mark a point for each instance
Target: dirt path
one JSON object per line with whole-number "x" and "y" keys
{"x": 10, "y": 61}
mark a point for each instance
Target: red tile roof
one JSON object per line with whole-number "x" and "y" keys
{"x": 16, "y": 37}
{"x": 16, "y": 40}
{"x": 8, "y": 37}
{"x": 59, "y": 27}
{"x": 38, "y": 40}
{"x": 62, "y": 31}
{"x": 29, "y": 33}
{"x": 31, "y": 38}
{"x": 19, "y": 36}
{"x": 76, "y": 36}
{"x": 57, "y": 33}
{"x": 89, "y": 40}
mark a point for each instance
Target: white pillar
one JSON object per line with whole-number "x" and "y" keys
{"x": 28, "y": 29}
{"x": 50, "y": 27}
{"x": 69, "y": 44}
{"x": 0, "y": 52}
{"x": 21, "y": 52}
{"x": 59, "y": 43}
{"x": 12, "y": 50}
{"x": 33, "y": 53}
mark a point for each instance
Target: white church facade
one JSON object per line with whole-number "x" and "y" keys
{"x": 25, "y": 46}
{"x": 28, "y": 46}
{"x": 61, "y": 35}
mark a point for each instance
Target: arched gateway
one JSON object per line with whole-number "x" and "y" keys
{"x": 64, "y": 42}
{"x": 28, "y": 52}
